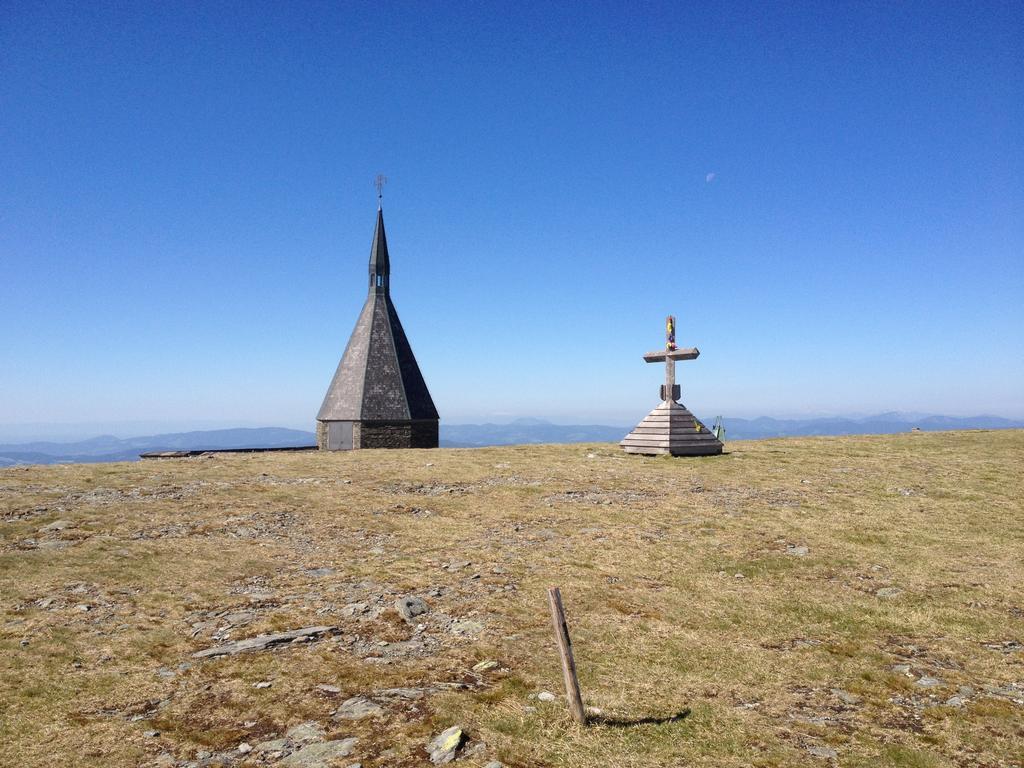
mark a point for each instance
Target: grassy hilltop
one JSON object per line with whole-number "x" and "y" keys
{"x": 806, "y": 602}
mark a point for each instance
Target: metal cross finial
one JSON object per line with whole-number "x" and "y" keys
{"x": 379, "y": 182}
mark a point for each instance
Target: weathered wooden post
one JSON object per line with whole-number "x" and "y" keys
{"x": 572, "y": 685}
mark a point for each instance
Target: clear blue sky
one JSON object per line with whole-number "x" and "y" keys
{"x": 830, "y": 197}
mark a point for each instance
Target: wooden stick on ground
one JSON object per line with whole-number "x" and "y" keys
{"x": 572, "y": 686}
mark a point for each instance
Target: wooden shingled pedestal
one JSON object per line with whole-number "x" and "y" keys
{"x": 671, "y": 428}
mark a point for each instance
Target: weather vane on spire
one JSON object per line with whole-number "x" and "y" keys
{"x": 379, "y": 183}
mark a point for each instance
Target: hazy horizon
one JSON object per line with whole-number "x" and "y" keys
{"x": 70, "y": 432}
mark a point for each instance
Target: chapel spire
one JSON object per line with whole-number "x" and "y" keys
{"x": 380, "y": 264}
{"x": 377, "y": 398}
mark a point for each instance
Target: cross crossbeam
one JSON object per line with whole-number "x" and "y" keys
{"x": 669, "y": 356}
{"x": 676, "y": 354}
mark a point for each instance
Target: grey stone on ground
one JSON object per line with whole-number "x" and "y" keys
{"x": 410, "y": 694}
{"x": 826, "y": 752}
{"x": 928, "y": 682}
{"x": 274, "y": 745}
{"x": 845, "y": 696}
{"x": 494, "y": 764}
{"x": 318, "y": 572}
{"x": 320, "y": 755}
{"x": 545, "y": 696}
{"x": 956, "y": 701}
{"x": 888, "y": 592}
{"x": 483, "y": 666}
{"x": 410, "y": 606}
{"x": 328, "y": 688}
{"x": 798, "y": 551}
{"x": 442, "y": 747}
{"x": 262, "y": 642}
{"x": 57, "y": 525}
{"x": 357, "y": 708}
{"x": 1005, "y": 646}
{"x": 466, "y": 627}
{"x": 307, "y": 732}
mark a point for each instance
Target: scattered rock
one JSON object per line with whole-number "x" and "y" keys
{"x": 826, "y": 752}
{"x": 306, "y": 733}
{"x": 443, "y": 746}
{"x": 328, "y": 688}
{"x": 409, "y": 694}
{"x": 888, "y": 592}
{"x": 797, "y": 551}
{"x": 151, "y": 734}
{"x": 57, "y": 525}
{"x": 483, "y": 666}
{"x": 466, "y": 627}
{"x": 927, "y": 681}
{"x": 545, "y": 696}
{"x": 275, "y": 745}
{"x": 410, "y": 606}
{"x": 1006, "y": 646}
{"x": 955, "y": 701}
{"x": 46, "y": 602}
{"x": 356, "y": 708}
{"x": 320, "y": 755}
{"x": 494, "y": 764}
{"x": 318, "y": 572}
{"x": 903, "y": 669}
{"x": 245, "y": 748}
{"x": 262, "y": 684}
{"x": 262, "y": 642}
{"x": 845, "y": 696}
{"x": 83, "y": 608}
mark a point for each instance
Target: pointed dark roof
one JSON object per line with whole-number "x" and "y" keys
{"x": 380, "y": 264}
{"x": 378, "y": 378}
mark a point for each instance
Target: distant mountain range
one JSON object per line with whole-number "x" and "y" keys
{"x": 521, "y": 431}
{"x": 108, "y": 448}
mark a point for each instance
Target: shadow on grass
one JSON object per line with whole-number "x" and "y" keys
{"x": 618, "y": 722}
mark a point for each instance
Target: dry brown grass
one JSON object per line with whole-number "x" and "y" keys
{"x": 680, "y": 592}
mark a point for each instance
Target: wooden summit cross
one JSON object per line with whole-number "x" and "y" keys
{"x": 671, "y": 428}
{"x": 670, "y": 391}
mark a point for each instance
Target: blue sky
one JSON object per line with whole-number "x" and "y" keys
{"x": 829, "y": 198}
